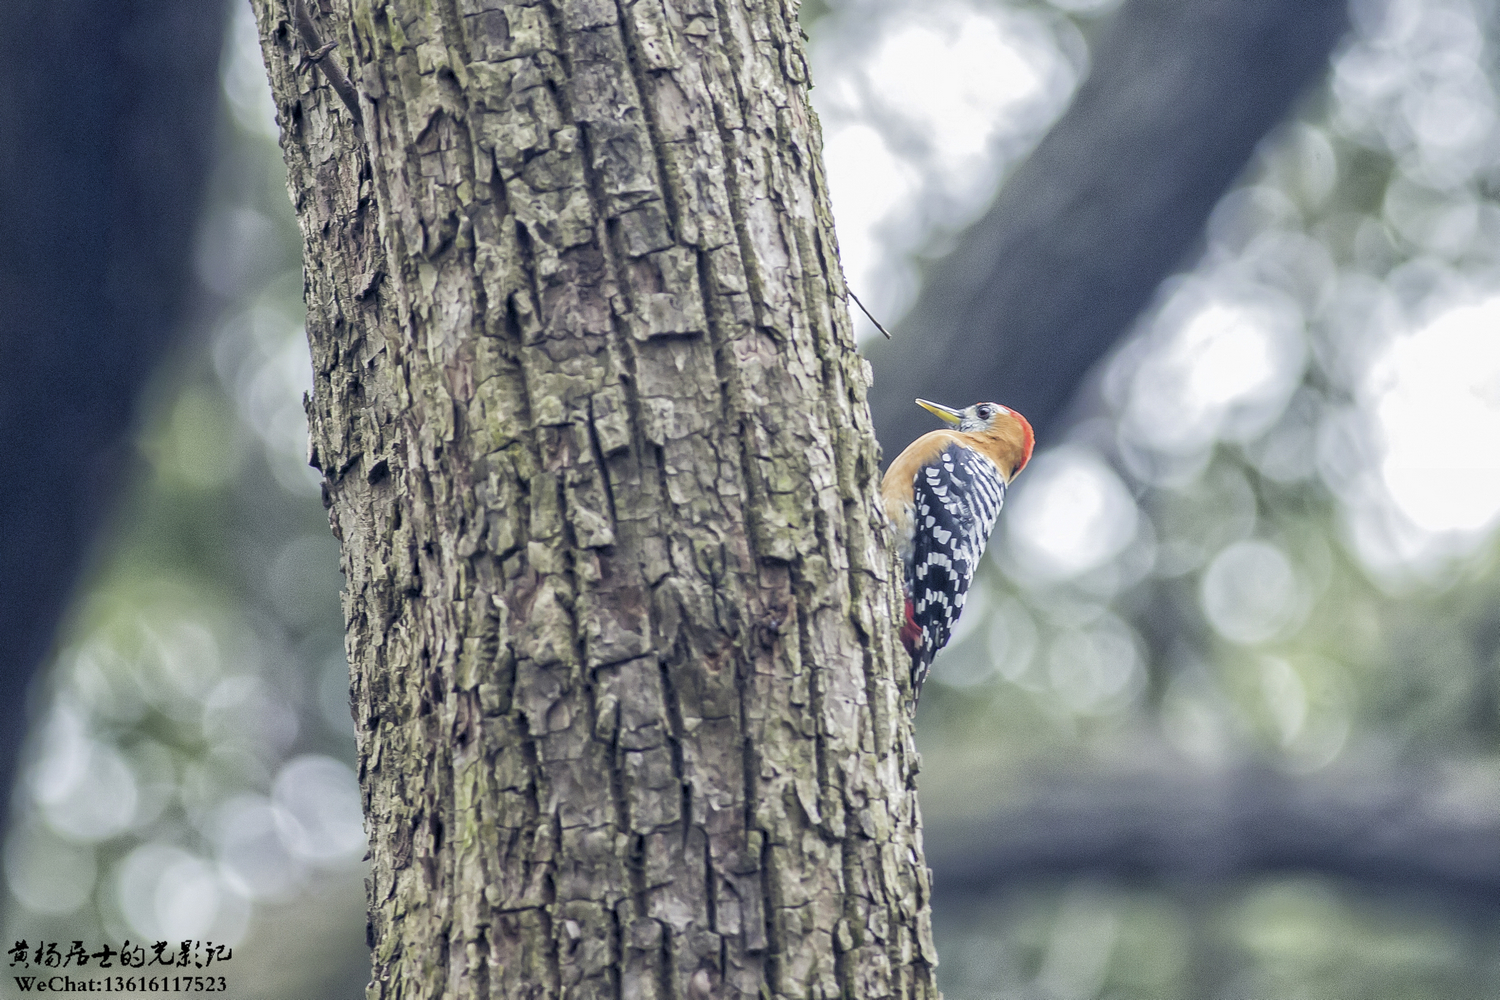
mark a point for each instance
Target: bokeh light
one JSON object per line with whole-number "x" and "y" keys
{"x": 923, "y": 107}
{"x": 1221, "y": 369}
{"x": 1072, "y": 515}
{"x": 318, "y": 811}
{"x": 1250, "y": 592}
{"x": 1435, "y": 395}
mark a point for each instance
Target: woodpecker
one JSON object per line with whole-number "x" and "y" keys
{"x": 942, "y": 495}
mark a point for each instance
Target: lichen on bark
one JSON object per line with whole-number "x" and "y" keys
{"x": 629, "y": 707}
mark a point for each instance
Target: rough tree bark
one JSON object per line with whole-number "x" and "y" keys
{"x": 596, "y": 445}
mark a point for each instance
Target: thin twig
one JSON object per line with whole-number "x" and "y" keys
{"x": 320, "y": 54}
{"x": 867, "y": 312}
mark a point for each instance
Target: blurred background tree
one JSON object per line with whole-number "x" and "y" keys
{"x": 1221, "y": 721}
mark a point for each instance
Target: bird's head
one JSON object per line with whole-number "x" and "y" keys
{"x": 998, "y": 431}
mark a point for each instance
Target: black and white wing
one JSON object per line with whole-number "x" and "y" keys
{"x": 956, "y": 500}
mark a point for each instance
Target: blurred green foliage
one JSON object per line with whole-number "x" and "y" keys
{"x": 1292, "y": 590}
{"x": 1292, "y": 939}
{"x": 204, "y": 655}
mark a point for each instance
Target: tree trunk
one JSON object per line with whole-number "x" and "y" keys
{"x": 631, "y": 717}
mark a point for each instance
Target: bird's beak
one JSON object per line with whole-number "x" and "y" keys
{"x": 952, "y": 416}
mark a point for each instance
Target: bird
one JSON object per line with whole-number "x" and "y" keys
{"x": 942, "y": 495}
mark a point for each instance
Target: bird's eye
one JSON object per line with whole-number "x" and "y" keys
{"x": 985, "y": 412}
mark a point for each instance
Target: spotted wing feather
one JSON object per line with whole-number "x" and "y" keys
{"x": 956, "y": 499}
